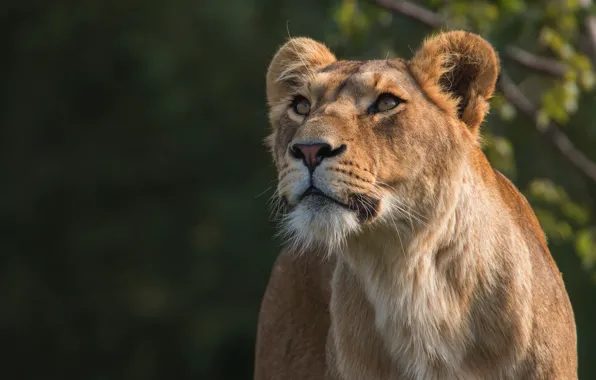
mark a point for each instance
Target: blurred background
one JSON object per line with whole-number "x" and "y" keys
{"x": 136, "y": 241}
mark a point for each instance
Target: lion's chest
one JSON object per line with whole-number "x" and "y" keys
{"x": 395, "y": 327}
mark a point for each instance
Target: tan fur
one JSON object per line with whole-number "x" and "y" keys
{"x": 428, "y": 263}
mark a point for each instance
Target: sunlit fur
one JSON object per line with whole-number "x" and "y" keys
{"x": 421, "y": 261}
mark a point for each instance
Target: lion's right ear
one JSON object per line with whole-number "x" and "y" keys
{"x": 292, "y": 65}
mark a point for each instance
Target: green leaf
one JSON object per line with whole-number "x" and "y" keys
{"x": 585, "y": 244}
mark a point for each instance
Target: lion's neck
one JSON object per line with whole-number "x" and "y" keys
{"x": 419, "y": 282}
{"x": 412, "y": 241}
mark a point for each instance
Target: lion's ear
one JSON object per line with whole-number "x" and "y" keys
{"x": 458, "y": 70}
{"x": 293, "y": 63}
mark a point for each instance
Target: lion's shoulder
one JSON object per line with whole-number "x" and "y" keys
{"x": 294, "y": 317}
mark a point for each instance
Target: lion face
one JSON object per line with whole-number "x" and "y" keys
{"x": 362, "y": 143}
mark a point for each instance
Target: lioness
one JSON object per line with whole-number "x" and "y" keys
{"x": 409, "y": 256}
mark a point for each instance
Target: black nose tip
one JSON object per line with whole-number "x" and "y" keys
{"x": 313, "y": 154}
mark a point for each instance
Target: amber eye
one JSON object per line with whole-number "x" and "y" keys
{"x": 301, "y": 105}
{"x": 384, "y": 102}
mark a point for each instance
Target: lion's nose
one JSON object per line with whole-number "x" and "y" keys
{"x": 313, "y": 154}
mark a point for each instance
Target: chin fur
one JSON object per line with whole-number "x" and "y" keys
{"x": 318, "y": 224}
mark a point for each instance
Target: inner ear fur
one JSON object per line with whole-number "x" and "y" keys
{"x": 293, "y": 63}
{"x": 458, "y": 70}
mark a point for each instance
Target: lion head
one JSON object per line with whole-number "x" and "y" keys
{"x": 360, "y": 144}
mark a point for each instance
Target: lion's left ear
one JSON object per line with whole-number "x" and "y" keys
{"x": 458, "y": 71}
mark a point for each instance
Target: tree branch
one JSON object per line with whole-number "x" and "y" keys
{"x": 552, "y": 132}
{"x": 414, "y": 11}
{"x": 590, "y": 24}
{"x": 542, "y": 64}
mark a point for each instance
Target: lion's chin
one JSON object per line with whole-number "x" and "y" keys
{"x": 318, "y": 223}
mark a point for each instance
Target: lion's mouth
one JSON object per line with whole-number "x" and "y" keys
{"x": 313, "y": 191}
{"x": 365, "y": 207}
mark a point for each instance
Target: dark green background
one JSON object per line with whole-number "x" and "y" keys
{"x": 135, "y": 239}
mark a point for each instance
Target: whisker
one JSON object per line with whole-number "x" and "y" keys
{"x": 397, "y": 232}
{"x": 311, "y": 75}
{"x": 401, "y": 207}
{"x": 263, "y": 192}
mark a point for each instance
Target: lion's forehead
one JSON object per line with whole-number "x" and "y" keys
{"x": 360, "y": 78}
